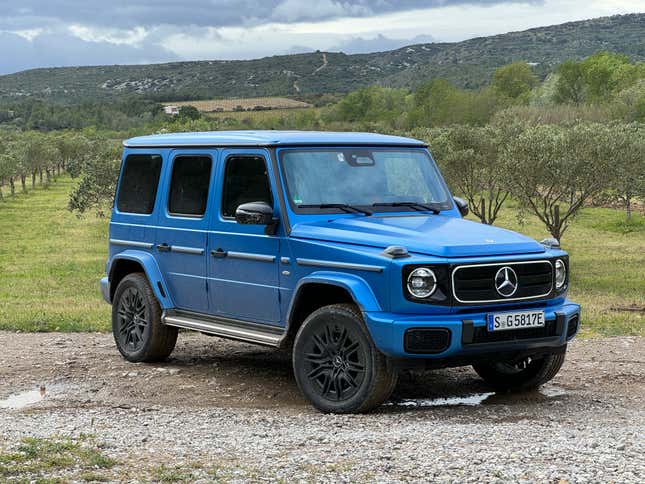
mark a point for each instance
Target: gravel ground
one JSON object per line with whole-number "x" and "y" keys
{"x": 220, "y": 410}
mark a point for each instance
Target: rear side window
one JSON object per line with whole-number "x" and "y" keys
{"x": 189, "y": 185}
{"x": 138, "y": 188}
{"x": 245, "y": 180}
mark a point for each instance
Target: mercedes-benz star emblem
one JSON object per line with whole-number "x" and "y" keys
{"x": 506, "y": 282}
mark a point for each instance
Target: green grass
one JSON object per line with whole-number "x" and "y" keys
{"x": 51, "y": 262}
{"x": 41, "y": 459}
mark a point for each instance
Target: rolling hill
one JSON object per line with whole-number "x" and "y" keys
{"x": 468, "y": 64}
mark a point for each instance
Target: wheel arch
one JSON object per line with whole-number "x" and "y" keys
{"x": 130, "y": 261}
{"x": 322, "y": 289}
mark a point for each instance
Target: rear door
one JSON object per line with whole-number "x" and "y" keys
{"x": 243, "y": 260}
{"x": 182, "y": 234}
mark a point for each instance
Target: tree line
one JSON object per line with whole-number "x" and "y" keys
{"x": 554, "y": 145}
{"x": 29, "y": 158}
{"x": 604, "y": 86}
{"x": 552, "y": 171}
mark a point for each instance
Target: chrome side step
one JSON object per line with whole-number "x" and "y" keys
{"x": 225, "y": 328}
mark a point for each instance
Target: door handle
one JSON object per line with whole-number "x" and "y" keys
{"x": 219, "y": 253}
{"x": 163, "y": 247}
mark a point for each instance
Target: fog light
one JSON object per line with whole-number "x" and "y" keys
{"x": 422, "y": 282}
{"x": 560, "y": 274}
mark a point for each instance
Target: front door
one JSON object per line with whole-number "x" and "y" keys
{"x": 243, "y": 260}
{"x": 182, "y": 236}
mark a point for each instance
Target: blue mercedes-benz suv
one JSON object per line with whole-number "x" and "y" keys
{"x": 345, "y": 248}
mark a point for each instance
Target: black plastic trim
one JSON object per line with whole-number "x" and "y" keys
{"x": 443, "y": 332}
{"x": 277, "y": 177}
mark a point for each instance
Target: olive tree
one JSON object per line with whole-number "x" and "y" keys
{"x": 98, "y": 179}
{"x": 627, "y": 180}
{"x": 7, "y": 171}
{"x": 470, "y": 160}
{"x": 6, "y": 162}
{"x": 554, "y": 170}
{"x": 34, "y": 157}
{"x": 71, "y": 149}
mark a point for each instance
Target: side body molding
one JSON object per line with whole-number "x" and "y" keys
{"x": 152, "y": 271}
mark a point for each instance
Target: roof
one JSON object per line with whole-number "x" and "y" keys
{"x": 268, "y": 138}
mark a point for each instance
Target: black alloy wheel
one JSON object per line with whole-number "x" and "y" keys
{"x": 335, "y": 361}
{"x": 132, "y": 320}
{"x": 336, "y": 364}
{"x": 138, "y": 331}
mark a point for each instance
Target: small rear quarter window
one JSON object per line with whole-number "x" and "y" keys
{"x": 139, "y": 182}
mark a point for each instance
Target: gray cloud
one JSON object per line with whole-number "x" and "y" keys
{"x": 131, "y": 13}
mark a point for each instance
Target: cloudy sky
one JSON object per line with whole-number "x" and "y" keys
{"x": 44, "y": 33}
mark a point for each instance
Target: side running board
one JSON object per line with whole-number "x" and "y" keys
{"x": 225, "y": 328}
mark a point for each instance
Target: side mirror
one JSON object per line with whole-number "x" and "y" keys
{"x": 462, "y": 205}
{"x": 257, "y": 213}
{"x": 254, "y": 213}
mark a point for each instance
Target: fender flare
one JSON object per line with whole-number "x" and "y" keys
{"x": 151, "y": 269}
{"x": 356, "y": 286}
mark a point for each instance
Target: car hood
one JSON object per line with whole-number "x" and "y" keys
{"x": 437, "y": 235}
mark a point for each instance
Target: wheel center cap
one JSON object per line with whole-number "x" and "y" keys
{"x": 338, "y": 361}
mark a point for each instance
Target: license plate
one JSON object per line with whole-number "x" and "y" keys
{"x": 515, "y": 320}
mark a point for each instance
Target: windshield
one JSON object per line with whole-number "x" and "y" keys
{"x": 384, "y": 179}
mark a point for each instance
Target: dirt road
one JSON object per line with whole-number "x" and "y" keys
{"x": 221, "y": 410}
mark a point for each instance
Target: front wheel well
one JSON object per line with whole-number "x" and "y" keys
{"x": 311, "y": 297}
{"x": 120, "y": 269}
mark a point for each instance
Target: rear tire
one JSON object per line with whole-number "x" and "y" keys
{"x": 336, "y": 365}
{"x": 525, "y": 375}
{"x": 138, "y": 331}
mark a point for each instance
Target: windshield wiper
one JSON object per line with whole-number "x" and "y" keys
{"x": 343, "y": 206}
{"x": 419, "y": 207}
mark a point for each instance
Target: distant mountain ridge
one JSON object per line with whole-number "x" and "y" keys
{"x": 468, "y": 64}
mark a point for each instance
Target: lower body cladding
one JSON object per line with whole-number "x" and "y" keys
{"x": 463, "y": 338}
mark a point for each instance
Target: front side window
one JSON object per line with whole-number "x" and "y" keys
{"x": 363, "y": 177}
{"x": 245, "y": 180}
{"x": 189, "y": 186}
{"x": 139, "y": 181}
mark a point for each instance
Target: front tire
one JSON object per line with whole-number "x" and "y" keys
{"x": 336, "y": 365}
{"x": 138, "y": 331}
{"x": 526, "y": 374}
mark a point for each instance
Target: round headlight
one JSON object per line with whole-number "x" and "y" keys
{"x": 422, "y": 282}
{"x": 560, "y": 274}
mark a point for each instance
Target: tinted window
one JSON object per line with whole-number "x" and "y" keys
{"x": 189, "y": 185}
{"x": 139, "y": 182}
{"x": 245, "y": 180}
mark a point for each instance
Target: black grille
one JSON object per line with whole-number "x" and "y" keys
{"x": 426, "y": 340}
{"x": 572, "y": 326}
{"x": 477, "y": 283}
{"x": 480, "y": 334}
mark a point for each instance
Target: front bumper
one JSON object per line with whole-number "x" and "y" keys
{"x": 388, "y": 331}
{"x": 105, "y": 290}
